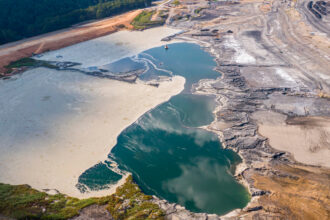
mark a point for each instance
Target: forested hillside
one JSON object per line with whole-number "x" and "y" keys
{"x": 25, "y": 18}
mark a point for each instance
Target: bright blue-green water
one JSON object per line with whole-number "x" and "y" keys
{"x": 166, "y": 151}
{"x": 184, "y": 59}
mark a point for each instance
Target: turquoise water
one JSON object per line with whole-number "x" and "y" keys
{"x": 166, "y": 151}
{"x": 184, "y": 59}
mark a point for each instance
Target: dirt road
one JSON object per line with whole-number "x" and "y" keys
{"x": 63, "y": 38}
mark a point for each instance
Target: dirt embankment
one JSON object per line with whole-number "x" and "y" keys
{"x": 63, "y": 38}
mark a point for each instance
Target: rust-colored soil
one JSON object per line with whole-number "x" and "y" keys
{"x": 63, "y": 38}
{"x": 297, "y": 192}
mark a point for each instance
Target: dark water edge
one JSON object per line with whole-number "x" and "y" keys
{"x": 97, "y": 177}
{"x": 166, "y": 151}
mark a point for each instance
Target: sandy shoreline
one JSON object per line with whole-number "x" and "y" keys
{"x": 57, "y": 124}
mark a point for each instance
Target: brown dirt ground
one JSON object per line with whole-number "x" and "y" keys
{"x": 297, "y": 192}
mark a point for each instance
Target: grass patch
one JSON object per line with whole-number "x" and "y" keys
{"x": 130, "y": 203}
{"x": 143, "y": 20}
{"x": 23, "y": 202}
{"x": 28, "y": 62}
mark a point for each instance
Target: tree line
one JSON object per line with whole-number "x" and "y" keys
{"x": 26, "y": 18}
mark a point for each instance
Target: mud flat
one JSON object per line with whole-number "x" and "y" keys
{"x": 56, "y": 124}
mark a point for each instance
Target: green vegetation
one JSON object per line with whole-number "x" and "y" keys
{"x": 22, "y": 62}
{"x": 130, "y": 203}
{"x": 23, "y": 202}
{"x": 28, "y": 62}
{"x": 27, "y": 18}
{"x": 143, "y": 20}
{"x": 176, "y": 2}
